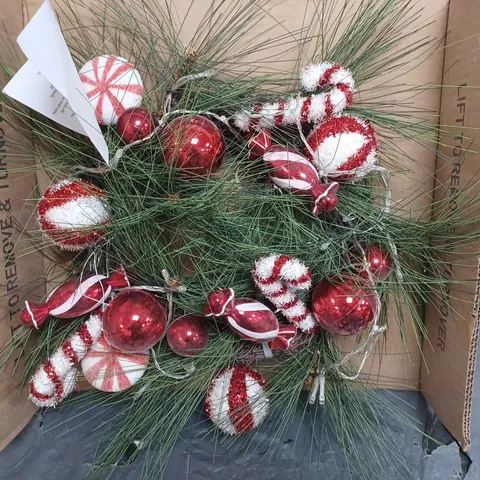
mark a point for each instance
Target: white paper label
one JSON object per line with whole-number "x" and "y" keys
{"x": 49, "y": 82}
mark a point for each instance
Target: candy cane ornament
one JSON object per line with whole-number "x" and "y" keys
{"x": 278, "y": 277}
{"x": 314, "y": 108}
{"x": 55, "y": 379}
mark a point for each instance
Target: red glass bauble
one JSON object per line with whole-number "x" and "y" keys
{"x": 135, "y": 124}
{"x": 379, "y": 262}
{"x": 188, "y": 335}
{"x": 194, "y": 145}
{"x": 134, "y": 321}
{"x": 342, "y": 307}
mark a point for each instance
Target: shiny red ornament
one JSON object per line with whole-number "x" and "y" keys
{"x": 259, "y": 144}
{"x": 194, "y": 145}
{"x": 248, "y": 318}
{"x": 134, "y": 321}
{"x": 293, "y": 172}
{"x": 379, "y": 263}
{"x": 342, "y": 307}
{"x": 135, "y": 124}
{"x": 188, "y": 335}
{"x": 74, "y": 298}
{"x": 285, "y": 338}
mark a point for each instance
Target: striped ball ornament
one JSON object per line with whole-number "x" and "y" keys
{"x": 71, "y": 212}
{"x": 110, "y": 370}
{"x": 112, "y": 85}
{"x": 341, "y": 145}
{"x": 237, "y": 401}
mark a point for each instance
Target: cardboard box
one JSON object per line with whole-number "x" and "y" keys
{"x": 397, "y": 362}
{"x": 453, "y": 324}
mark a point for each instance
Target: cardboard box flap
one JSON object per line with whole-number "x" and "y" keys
{"x": 21, "y": 275}
{"x": 453, "y": 320}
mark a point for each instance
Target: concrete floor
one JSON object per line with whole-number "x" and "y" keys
{"x": 59, "y": 446}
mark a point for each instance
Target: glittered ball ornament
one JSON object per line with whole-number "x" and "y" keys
{"x": 379, "y": 263}
{"x": 188, "y": 335}
{"x": 342, "y": 145}
{"x": 236, "y": 401}
{"x": 194, "y": 145}
{"x": 110, "y": 370}
{"x": 135, "y": 124}
{"x": 248, "y": 318}
{"x": 71, "y": 214}
{"x": 112, "y": 85}
{"x": 134, "y": 321}
{"x": 343, "y": 307}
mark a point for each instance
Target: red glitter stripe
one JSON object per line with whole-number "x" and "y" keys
{"x": 279, "y": 264}
{"x": 278, "y": 118}
{"x": 328, "y": 106}
{"x": 239, "y": 408}
{"x": 35, "y": 393}
{"x": 84, "y": 334}
{"x": 305, "y": 111}
{"x": 290, "y": 304}
{"x": 306, "y": 277}
{"x": 281, "y": 292}
{"x": 326, "y": 78}
{"x": 347, "y": 91}
{"x": 69, "y": 352}
{"x": 52, "y": 375}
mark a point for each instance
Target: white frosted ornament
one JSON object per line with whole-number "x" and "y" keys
{"x": 110, "y": 370}
{"x": 70, "y": 213}
{"x": 112, "y": 85}
{"x": 237, "y": 401}
{"x": 343, "y": 146}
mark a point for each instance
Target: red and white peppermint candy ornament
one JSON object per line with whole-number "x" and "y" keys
{"x": 71, "y": 212}
{"x": 74, "y": 298}
{"x": 248, "y": 318}
{"x": 293, "y": 172}
{"x": 285, "y": 338}
{"x": 278, "y": 277}
{"x": 112, "y": 85}
{"x": 236, "y": 400}
{"x": 110, "y": 370}
{"x": 341, "y": 146}
{"x": 55, "y": 379}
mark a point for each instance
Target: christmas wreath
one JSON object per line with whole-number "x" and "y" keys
{"x": 241, "y": 223}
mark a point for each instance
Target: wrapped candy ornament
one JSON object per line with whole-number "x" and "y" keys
{"x": 236, "y": 401}
{"x": 343, "y": 307}
{"x": 193, "y": 144}
{"x": 291, "y": 171}
{"x": 112, "y": 85}
{"x": 342, "y": 146}
{"x": 74, "y": 298}
{"x": 134, "y": 321}
{"x": 248, "y": 318}
{"x": 56, "y": 378}
{"x": 109, "y": 370}
{"x": 71, "y": 212}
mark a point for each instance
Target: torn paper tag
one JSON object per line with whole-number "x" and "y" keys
{"x": 49, "y": 82}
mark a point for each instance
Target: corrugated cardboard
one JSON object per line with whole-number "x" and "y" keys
{"x": 395, "y": 363}
{"x": 451, "y": 348}
{"x": 21, "y": 275}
